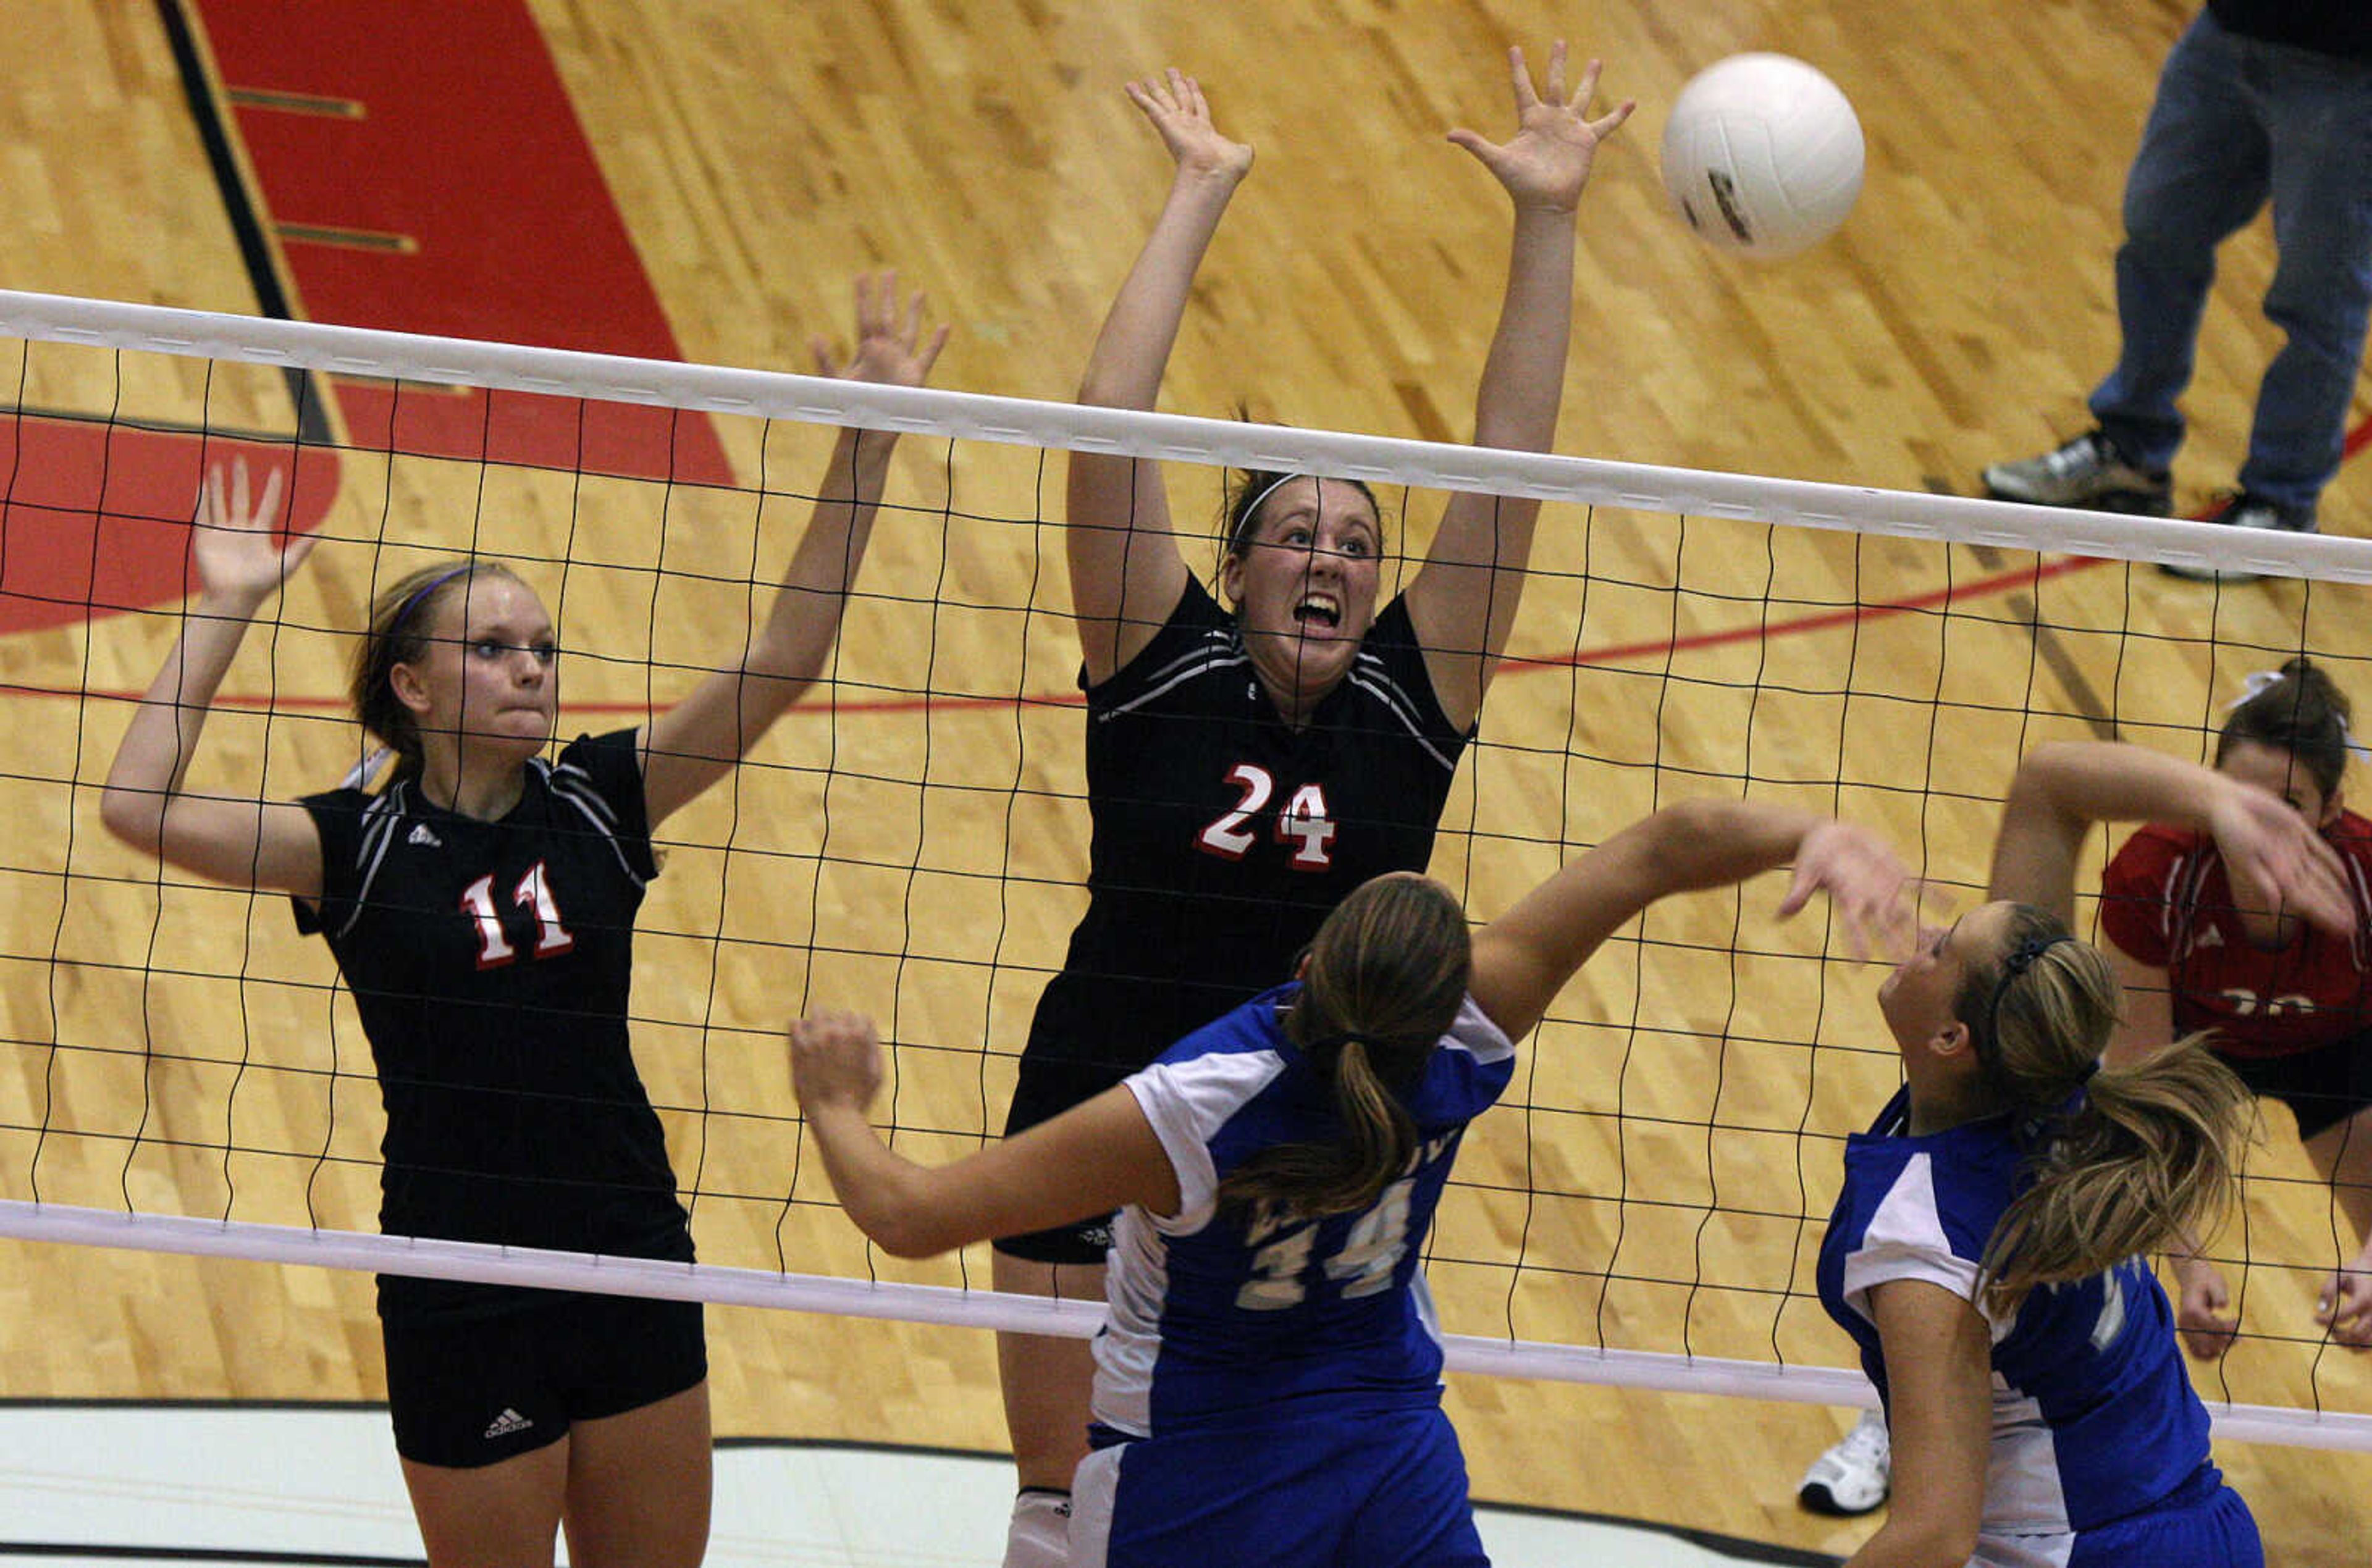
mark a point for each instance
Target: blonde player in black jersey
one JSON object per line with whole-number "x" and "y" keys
{"x": 480, "y": 906}
{"x": 1248, "y": 767}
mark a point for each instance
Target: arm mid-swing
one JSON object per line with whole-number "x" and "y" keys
{"x": 1523, "y": 959}
{"x": 1104, "y": 1155}
{"x": 2063, "y": 788}
{"x": 1092, "y": 1159}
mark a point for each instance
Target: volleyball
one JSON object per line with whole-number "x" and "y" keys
{"x": 1762, "y": 155}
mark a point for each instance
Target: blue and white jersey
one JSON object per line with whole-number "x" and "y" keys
{"x": 1219, "y": 1314}
{"x": 2094, "y": 1416}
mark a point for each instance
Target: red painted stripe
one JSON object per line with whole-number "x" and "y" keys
{"x": 1616, "y": 653}
{"x": 1620, "y": 653}
{"x": 466, "y": 145}
{"x": 2028, "y": 577}
{"x": 95, "y": 518}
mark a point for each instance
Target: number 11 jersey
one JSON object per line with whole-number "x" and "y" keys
{"x": 492, "y": 963}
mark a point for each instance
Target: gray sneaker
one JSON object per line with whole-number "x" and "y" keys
{"x": 2245, "y": 511}
{"x": 2087, "y": 472}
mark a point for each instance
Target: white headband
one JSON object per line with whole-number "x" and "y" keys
{"x": 1271, "y": 488}
{"x": 2259, "y": 681}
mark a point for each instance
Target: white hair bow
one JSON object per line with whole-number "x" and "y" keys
{"x": 2257, "y": 682}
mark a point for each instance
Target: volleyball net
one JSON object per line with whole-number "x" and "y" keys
{"x": 188, "y": 1075}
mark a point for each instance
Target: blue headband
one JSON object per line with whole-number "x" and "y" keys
{"x": 403, "y": 611}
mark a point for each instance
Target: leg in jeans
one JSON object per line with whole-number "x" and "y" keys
{"x": 2319, "y": 108}
{"x": 2203, "y": 169}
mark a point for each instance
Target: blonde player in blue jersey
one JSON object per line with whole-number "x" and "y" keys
{"x": 1987, "y": 1252}
{"x": 1268, "y": 1389}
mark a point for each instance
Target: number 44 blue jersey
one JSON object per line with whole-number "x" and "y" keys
{"x": 1226, "y": 1315}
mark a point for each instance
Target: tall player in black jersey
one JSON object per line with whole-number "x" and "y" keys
{"x": 1248, "y": 769}
{"x": 481, "y": 907}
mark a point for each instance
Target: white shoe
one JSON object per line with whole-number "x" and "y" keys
{"x": 1853, "y": 1476}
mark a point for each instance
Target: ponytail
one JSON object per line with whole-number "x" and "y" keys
{"x": 1382, "y": 984}
{"x": 1378, "y": 1141}
{"x": 2150, "y": 1159}
{"x": 2148, "y": 1155}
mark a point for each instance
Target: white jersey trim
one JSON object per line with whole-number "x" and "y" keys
{"x": 1473, "y": 1032}
{"x": 1187, "y": 666}
{"x": 1397, "y": 702}
{"x": 1187, "y": 1102}
{"x": 1095, "y": 1488}
{"x": 2025, "y": 1508}
{"x": 379, "y": 819}
{"x": 1905, "y": 1240}
{"x": 572, "y": 786}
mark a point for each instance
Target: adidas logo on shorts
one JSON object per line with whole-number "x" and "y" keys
{"x": 503, "y": 1426}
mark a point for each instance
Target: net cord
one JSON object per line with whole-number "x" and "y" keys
{"x": 1429, "y": 465}
{"x": 486, "y": 1263}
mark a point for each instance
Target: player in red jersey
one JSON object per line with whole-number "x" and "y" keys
{"x": 2201, "y": 948}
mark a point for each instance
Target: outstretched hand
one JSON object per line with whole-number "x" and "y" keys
{"x": 2344, "y": 1306}
{"x": 240, "y": 541}
{"x": 1173, "y": 102}
{"x": 892, "y": 349}
{"x": 1866, "y": 883}
{"x": 2202, "y": 1311}
{"x": 1546, "y": 163}
{"x": 2269, "y": 847}
{"x": 836, "y": 1061}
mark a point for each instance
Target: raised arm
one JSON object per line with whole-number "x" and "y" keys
{"x": 1523, "y": 959}
{"x": 243, "y": 561}
{"x": 1127, "y": 571}
{"x": 2273, "y": 856}
{"x": 1463, "y": 600}
{"x": 2063, "y": 787}
{"x": 699, "y": 739}
{"x": 1091, "y": 1160}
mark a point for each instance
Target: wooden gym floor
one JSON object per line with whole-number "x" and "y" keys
{"x": 757, "y": 158}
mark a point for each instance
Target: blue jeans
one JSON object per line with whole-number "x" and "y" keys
{"x": 2238, "y": 121}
